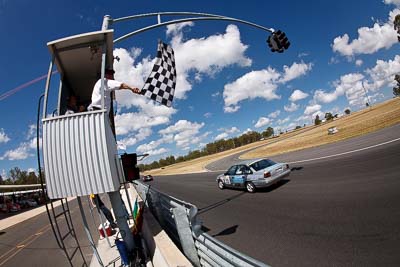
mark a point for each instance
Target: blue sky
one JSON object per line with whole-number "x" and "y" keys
{"x": 229, "y": 82}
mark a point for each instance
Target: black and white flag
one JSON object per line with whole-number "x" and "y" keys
{"x": 160, "y": 85}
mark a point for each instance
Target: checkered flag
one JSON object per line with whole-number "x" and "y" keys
{"x": 160, "y": 85}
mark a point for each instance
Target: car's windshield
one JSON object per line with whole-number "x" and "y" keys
{"x": 232, "y": 170}
{"x": 262, "y": 164}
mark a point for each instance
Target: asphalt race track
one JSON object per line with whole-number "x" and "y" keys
{"x": 31, "y": 243}
{"x": 336, "y": 211}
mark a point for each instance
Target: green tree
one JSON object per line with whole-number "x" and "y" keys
{"x": 268, "y": 132}
{"x": 328, "y": 116}
{"x": 15, "y": 174}
{"x": 347, "y": 111}
{"x": 180, "y": 159}
{"x": 396, "y": 89}
{"x": 396, "y": 25}
{"x": 317, "y": 120}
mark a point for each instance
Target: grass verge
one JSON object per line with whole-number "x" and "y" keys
{"x": 358, "y": 123}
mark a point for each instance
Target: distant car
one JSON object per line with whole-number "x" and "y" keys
{"x": 32, "y": 203}
{"x": 146, "y": 178}
{"x": 253, "y": 174}
{"x": 3, "y": 208}
{"x": 13, "y": 207}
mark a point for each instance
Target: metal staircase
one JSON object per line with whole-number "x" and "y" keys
{"x": 55, "y": 218}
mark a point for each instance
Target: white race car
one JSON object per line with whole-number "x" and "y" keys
{"x": 253, "y": 174}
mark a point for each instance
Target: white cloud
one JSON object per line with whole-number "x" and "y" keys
{"x": 206, "y": 56}
{"x": 207, "y": 114}
{"x": 131, "y": 72}
{"x": 349, "y": 84}
{"x": 202, "y": 145}
{"x": 318, "y": 113}
{"x": 359, "y": 62}
{"x": 216, "y": 94}
{"x": 311, "y": 109}
{"x": 274, "y": 114}
{"x": 221, "y": 136}
{"x": 333, "y": 60}
{"x": 154, "y": 152}
{"x": 132, "y": 122}
{"x": 33, "y": 144}
{"x": 376, "y": 97}
{"x": 140, "y": 135}
{"x": 394, "y": 2}
{"x": 21, "y": 152}
{"x": 303, "y": 54}
{"x": 382, "y": 74}
{"x": 283, "y": 121}
{"x": 3, "y": 174}
{"x": 324, "y": 97}
{"x": 31, "y": 131}
{"x": 297, "y": 95}
{"x": 251, "y": 85}
{"x": 226, "y": 132}
{"x": 175, "y": 29}
{"x": 295, "y": 71}
{"x": 262, "y": 121}
{"x": 24, "y": 150}
{"x": 248, "y": 130}
{"x": 292, "y": 107}
{"x": 29, "y": 170}
{"x": 231, "y": 130}
{"x": 369, "y": 40}
{"x": 303, "y": 118}
{"x": 260, "y": 84}
{"x": 184, "y": 132}
{"x": 231, "y": 109}
{"x": 144, "y": 148}
{"x": 3, "y": 136}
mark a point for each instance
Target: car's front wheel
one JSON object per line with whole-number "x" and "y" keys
{"x": 220, "y": 184}
{"x": 250, "y": 187}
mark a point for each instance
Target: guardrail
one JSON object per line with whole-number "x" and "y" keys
{"x": 179, "y": 220}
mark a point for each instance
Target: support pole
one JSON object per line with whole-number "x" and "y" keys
{"x": 120, "y": 216}
{"x": 106, "y": 22}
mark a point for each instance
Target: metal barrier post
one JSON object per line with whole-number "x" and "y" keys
{"x": 185, "y": 234}
{"x": 177, "y": 217}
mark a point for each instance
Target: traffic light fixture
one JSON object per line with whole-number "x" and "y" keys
{"x": 129, "y": 164}
{"x": 278, "y": 42}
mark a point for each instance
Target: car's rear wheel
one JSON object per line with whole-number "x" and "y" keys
{"x": 220, "y": 185}
{"x": 250, "y": 187}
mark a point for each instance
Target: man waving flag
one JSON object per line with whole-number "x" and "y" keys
{"x": 160, "y": 85}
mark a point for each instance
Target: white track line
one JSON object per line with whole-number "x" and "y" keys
{"x": 348, "y": 152}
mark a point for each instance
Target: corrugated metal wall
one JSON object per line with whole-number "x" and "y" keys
{"x": 79, "y": 155}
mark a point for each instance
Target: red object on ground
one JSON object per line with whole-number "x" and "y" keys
{"x": 107, "y": 228}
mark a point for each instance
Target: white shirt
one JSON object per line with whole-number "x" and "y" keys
{"x": 109, "y": 86}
